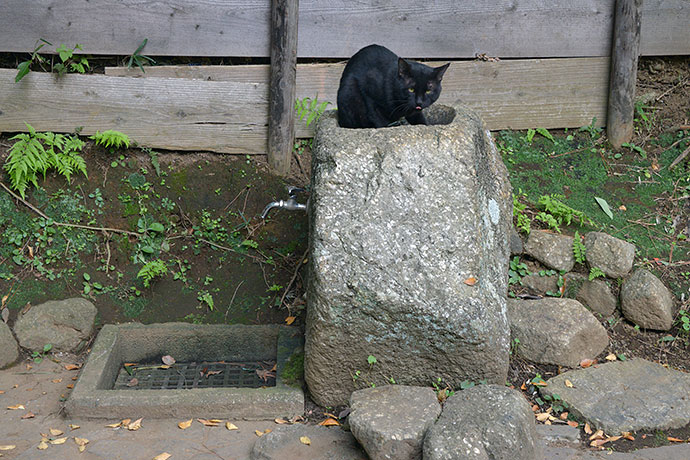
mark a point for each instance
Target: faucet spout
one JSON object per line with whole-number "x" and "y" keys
{"x": 290, "y": 204}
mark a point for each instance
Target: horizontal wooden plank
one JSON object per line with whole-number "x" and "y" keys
{"x": 330, "y": 28}
{"x": 226, "y": 108}
{"x": 172, "y": 113}
{"x": 550, "y": 93}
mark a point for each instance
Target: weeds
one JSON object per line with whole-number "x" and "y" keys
{"x": 139, "y": 59}
{"x": 111, "y": 139}
{"x": 579, "y": 250}
{"x": 312, "y": 109}
{"x": 69, "y": 61}
{"x": 35, "y": 153}
{"x": 151, "y": 270}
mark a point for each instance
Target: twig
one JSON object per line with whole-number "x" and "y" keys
{"x": 671, "y": 89}
{"x": 215, "y": 245}
{"x": 64, "y": 224}
{"x": 680, "y": 158}
{"x": 233, "y": 200}
{"x": 232, "y": 299}
{"x": 294, "y": 275}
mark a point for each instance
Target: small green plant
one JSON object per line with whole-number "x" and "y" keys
{"x": 443, "y": 391}
{"x": 24, "y": 67}
{"x": 153, "y": 269}
{"x": 39, "y": 355}
{"x": 683, "y": 323}
{"x": 523, "y": 222}
{"x": 206, "y": 298}
{"x": 529, "y": 136}
{"x": 69, "y": 62}
{"x": 596, "y": 272}
{"x": 139, "y": 59}
{"x": 517, "y": 270}
{"x": 111, "y": 139}
{"x": 579, "y": 249}
{"x": 312, "y": 109}
{"x": 556, "y": 402}
{"x": 635, "y": 148}
{"x": 592, "y": 129}
{"x": 563, "y": 213}
{"x": 514, "y": 345}
{"x": 35, "y": 153}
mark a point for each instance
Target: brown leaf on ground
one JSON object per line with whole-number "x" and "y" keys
{"x": 329, "y": 422}
{"x": 7, "y": 447}
{"x": 59, "y": 441}
{"x": 133, "y": 382}
{"x": 168, "y": 360}
{"x": 16, "y": 407}
{"x": 568, "y": 383}
{"x": 672, "y": 439}
{"x": 42, "y": 445}
{"x": 72, "y": 367}
{"x": 261, "y": 433}
{"x": 212, "y": 422}
{"x": 55, "y": 432}
{"x": 563, "y": 416}
{"x": 588, "y": 429}
{"x": 289, "y": 320}
{"x": 56, "y": 380}
{"x": 186, "y": 424}
{"x": 573, "y": 423}
{"x": 73, "y": 427}
{"x": 611, "y": 357}
{"x": 135, "y": 425}
{"x": 231, "y": 426}
{"x": 627, "y": 435}
{"x": 70, "y": 386}
{"x": 162, "y": 456}
{"x": 587, "y": 362}
{"x": 28, "y": 415}
{"x": 471, "y": 281}
{"x": 599, "y": 434}
{"x": 305, "y": 440}
{"x": 281, "y": 421}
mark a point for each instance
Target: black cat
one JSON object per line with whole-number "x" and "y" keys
{"x": 378, "y": 88}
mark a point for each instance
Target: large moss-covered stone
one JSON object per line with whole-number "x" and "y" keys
{"x": 402, "y": 220}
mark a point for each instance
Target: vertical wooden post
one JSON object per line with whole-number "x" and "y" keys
{"x": 624, "y": 57}
{"x": 281, "y": 121}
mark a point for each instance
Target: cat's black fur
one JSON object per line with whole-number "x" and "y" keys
{"x": 378, "y": 88}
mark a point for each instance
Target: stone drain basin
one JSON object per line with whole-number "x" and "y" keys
{"x": 215, "y": 375}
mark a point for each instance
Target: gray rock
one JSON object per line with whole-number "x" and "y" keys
{"x": 283, "y": 443}
{"x": 561, "y": 435}
{"x": 555, "y": 331}
{"x": 390, "y": 421}
{"x": 516, "y": 244}
{"x": 63, "y": 324}
{"x": 626, "y": 396}
{"x": 678, "y": 452}
{"x": 553, "y": 250}
{"x": 612, "y": 255}
{"x": 484, "y": 422}
{"x": 399, "y": 219}
{"x": 9, "y": 351}
{"x": 646, "y": 301}
{"x": 595, "y": 295}
{"x": 541, "y": 284}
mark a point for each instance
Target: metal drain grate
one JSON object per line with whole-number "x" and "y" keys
{"x": 196, "y": 375}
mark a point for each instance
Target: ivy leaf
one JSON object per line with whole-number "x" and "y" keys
{"x": 604, "y": 206}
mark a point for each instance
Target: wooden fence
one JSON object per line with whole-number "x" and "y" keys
{"x": 554, "y": 70}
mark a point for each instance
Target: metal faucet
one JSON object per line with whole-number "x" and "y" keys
{"x": 291, "y": 204}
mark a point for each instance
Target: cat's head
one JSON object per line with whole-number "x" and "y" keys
{"x": 420, "y": 84}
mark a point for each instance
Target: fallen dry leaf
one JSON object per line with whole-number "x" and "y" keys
{"x": 627, "y": 435}
{"x": 568, "y": 383}
{"x": 7, "y": 447}
{"x": 672, "y": 439}
{"x": 212, "y": 422}
{"x": 70, "y": 386}
{"x": 16, "y": 407}
{"x": 55, "y": 432}
{"x": 56, "y": 380}
{"x": 599, "y": 434}
{"x": 572, "y": 423}
{"x": 186, "y": 424}
{"x": 265, "y": 374}
{"x": 72, "y": 367}
{"x": 563, "y": 416}
{"x": 28, "y": 415}
{"x": 622, "y": 207}
{"x": 587, "y": 362}
{"x": 289, "y": 320}
{"x": 42, "y": 445}
{"x": 163, "y": 456}
{"x": 261, "y": 433}
{"x": 329, "y": 422}
{"x": 168, "y": 360}
{"x": 588, "y": 429}
{"x": 542, "y": 417}
{"x": 114, "y": 425}
{"x": 59, "y": 441}
{"x": 73, "y": 427}
{"x": 611, "y": 357}
{"x": 471, "y": 281}
{"x": 231, "y": 426}
{"x": 598, "y": 442}
{"x": 133, "y": 382}
{"x": 135, "y": 425}
{"x": 305, "y": 440}
{"x": 4, "y": 299}
{"x": 281, "y": 421}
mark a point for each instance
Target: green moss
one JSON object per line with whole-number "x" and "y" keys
{"x": 178, "y": 181}
{"x": 293, "y": 371}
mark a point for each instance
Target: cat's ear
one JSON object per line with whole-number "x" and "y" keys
{"x": 439, "y": 71}
{"x": 404, "y": 68}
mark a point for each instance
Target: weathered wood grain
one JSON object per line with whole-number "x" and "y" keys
{"x": 338, "y": 28}
{"x": 281, "y": 118}
{"x": 550, "y": 93}
{"x": 230, "y": 113}
{"x": 624, "y": 57}
{"x": 166, "y": 113}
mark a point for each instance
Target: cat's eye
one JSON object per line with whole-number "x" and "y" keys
{"x": 428, "y": 91}
{"x": 410, "y": 90}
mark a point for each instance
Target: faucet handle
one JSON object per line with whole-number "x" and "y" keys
{"x": 293, "y": 191}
